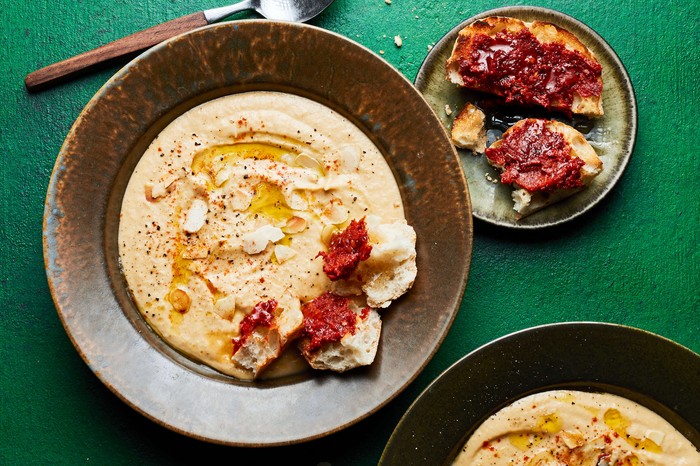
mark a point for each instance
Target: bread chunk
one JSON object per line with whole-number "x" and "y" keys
{"x": 264, "y": 343}
{"x": 548, "y": 161}
{"x": 534, "y": 63}
{"x": 353, "y": 350}
{"x": 391, "y": 268}
{"x": 468, "y": 130}
{"x": 340, "y": 333}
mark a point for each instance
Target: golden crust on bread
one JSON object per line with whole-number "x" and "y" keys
{"x": 545, "y": 33}
{"x": 527, "y": 202}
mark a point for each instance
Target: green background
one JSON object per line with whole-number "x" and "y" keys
{"x": 633, "y": 259}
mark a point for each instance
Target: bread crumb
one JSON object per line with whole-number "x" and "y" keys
{"x": 468, "y": 130}
{"x": 388, "y": 2}
{"x": 398, "y": 41}
{"x": 490, "y": 178}
{"x": 381, "y": 52}
{"x": 430, "y": 47}
{"x": 448, "y": 109}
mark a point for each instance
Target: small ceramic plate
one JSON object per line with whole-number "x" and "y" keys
{"x": 643, "y": 367}
{"x": 88, "y": 183}
{"x": 612, "y": 136}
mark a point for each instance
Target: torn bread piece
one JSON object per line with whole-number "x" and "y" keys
{"x": 468, "y": 129}
{"x": 374, "y": 258}
{"x": 545, "y": 161}
{"x": 534, "y": 63}
{"x": 390, "y": 269}
{"x": 339, "y": 334}
{"x": 264, "y": 333}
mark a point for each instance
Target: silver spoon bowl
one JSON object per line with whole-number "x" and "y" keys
{"x": 278, "y": 10}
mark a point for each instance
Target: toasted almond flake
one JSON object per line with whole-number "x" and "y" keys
{"x": 256, "y": 241}
{"x": 200, "y": 183}
{"x": 284, "y": 253}
{"x": 196, "y": 216}
{"x": 225, "y": 307}
{"x": 295, "y": 225}
{"x": 196, "y": 251}
{"x": 335, "y": 212}
{"x": 160, "y": 189}
{"x": 306, "y": 161}
{"x": 572, "y": 439}
{"x": 240, "y": 200}
{"x": 180, "y": 300}
{"x": 288, "y": 158}
{"x": 655, "y": 436}
{"x": 222, "y": 176}
{"x": 296, "y": 201}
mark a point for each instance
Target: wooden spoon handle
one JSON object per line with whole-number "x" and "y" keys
{"x": 134, "y": 43}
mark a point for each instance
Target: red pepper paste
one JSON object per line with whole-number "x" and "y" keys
{"x": 261, "y": 316}
{"x": 346, "y": 250}
{"x": 522, "y": 69}
{"x": 327, "y": 319}
{"x": 536, "y": 158}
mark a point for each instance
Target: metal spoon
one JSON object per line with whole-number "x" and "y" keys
{"x": 280, "y": 10}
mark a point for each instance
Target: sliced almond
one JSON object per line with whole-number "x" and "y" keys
{"x": 288, "y": 158}
{"x": 157, "y": 190}
{"x": 256, "y": 241}
{"x": 196, "y": 251}
{"x": 306, "y": 161}
{"x": 196, "y": 216}
{"x": 201, "y": 183}
{"x": 225, "y": 307}
{"x": 572, "y": 439}
{"x": 655, "y": 436}
{"x": 335, "y": 212}
{"x": 222, "y": 176}
{"x": 284, "y": 253}
{"x": 296, "y": 201}
{"x": 240, "y": 200}
{"x": 295, "y": 225}
{"x": 180, "y": 300}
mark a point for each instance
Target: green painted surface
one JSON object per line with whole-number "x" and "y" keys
{"x": 633, "y": 259}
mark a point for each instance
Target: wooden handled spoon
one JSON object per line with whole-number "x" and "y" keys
{"x": 280, "y": 10}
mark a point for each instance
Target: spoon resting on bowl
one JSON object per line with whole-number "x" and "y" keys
{"x": 279, "y": 10}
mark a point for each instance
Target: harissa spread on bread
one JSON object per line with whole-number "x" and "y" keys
{"x": 533, "y": 64}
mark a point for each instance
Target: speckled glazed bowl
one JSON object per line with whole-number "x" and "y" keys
{"x": 88, "y": 183}
{"x": 641, "y": 366}
{"x": 612, "y": 136}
